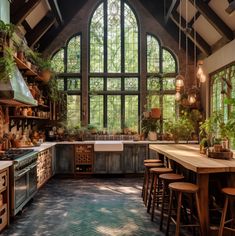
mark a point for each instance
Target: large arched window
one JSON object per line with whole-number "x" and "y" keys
{"x": 114, "y": 88}
{"x": 114, "y": 67}
{"x": 161, "y": 72}
{"x": 67, "y": 63}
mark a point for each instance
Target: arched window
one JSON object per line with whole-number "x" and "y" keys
{"x": 161, "y": 72}
{"x": 114, "y": 67}
{"x": 67, "y": 63}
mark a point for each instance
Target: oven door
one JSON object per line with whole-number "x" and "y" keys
{"x": 32, "y": 179}
{"x": 21, "y": 185}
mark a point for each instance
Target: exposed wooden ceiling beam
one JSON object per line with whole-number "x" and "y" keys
{"x": 24, "y": 11}
{"x": 203, "y": 46}
{"x": 41, "y": 28}
{"x": 55, "y": 8}
{"x": 191, "y": 22}
{"x": 173, "y": 7}
{"x": 214, "y": 19}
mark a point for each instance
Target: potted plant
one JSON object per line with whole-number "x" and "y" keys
{"x": 150, "y": 127}
{"x": 203, "y": 145}
{"x": 7, "y": 64}
{"x": 6, "y": 32}
{"x": 92, "y": 128}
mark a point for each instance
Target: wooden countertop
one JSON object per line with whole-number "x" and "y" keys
{"x": 188, "y": 155}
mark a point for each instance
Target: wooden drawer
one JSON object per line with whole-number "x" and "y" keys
{"x": 3, "y": 216}
{"x": 83, "y": 148}
{"x": 3, "y": 181}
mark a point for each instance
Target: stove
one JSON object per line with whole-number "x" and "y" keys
{"x": 13, "y": 154}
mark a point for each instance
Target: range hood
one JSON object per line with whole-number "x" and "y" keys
{"x": 15, "y": 91}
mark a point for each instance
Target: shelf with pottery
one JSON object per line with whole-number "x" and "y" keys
{"x": 27, "y": 68}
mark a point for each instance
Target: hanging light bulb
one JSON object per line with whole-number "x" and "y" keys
{"x": 199, "y": 71}
{"x": 191, "y": 98}
{"x": 202, "y": 78}
{"x": 177, "y": 96}
{"x": 179, "y": 81}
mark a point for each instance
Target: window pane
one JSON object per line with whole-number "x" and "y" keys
{"x": 153, "y": 83}
{"x": 168, "y": 107}
{"x": 168, "y": 62}
{"x": 131, "y": 41}
{"x": 113, "y": 84}
{"x": 58, "y": 61}
{"x": 153, "y": 54}
{"x": 168, "y": 83}
{"x": 74, "y": 55}
{"x": 153, "y": 101}
{"x": 114, "y": 112}
{"x": 131, "y": 112}
{"x": 131, "y": 84}
{"x": 97, "y": 41}
{"x": 73, "y": 110}
{"x": 97, "y": 110}
{"x": 96, "y": 84}
{"x": 114, "y": 36}
{"x": 60, "y": 84}
{"x": 73, "y": 84}
{"x": 216, "y": 101}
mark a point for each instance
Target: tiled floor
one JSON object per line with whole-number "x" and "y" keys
{"x": 66, "y": 207}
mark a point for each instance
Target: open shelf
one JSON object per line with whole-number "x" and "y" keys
{"x": 29, "y": 117}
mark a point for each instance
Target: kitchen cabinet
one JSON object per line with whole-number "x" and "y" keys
{"x": 64, "y": 159}
{"x": 133, "y": 157}
{"x": 108, "y": 162}
{"x": 83, "y": 159}
{"x": 44, "y": 166}
{"x": 4, "y": 198}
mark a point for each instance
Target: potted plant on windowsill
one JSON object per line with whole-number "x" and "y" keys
{"x": 150, "y": 126}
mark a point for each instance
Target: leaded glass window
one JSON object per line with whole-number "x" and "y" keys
{"x": 58, "y": 61}
{"x": 114, "y": 65}
{"x": 161, "y": 72}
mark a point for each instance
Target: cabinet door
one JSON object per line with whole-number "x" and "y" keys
{"x": 115, "y": 162}
{"x": 129, "y": 157}
{"x": 64, "y": 159}
{"x": 101, "y": 163}
{"x": 142, "y": 153}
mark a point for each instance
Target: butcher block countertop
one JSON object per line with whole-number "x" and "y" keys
{"x": 188, "y": 155}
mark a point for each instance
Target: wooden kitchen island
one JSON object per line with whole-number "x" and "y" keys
{"x": 189, "y": 157}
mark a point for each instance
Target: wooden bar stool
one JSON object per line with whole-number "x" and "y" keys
{"x": 229, "y": 195}
{"x": 182, "y": 188}
{"x": 152, "y": 161}
{"x": 166, "y": 180}
{"x": 145, "y": 188}
{"x": 155, "y": 188}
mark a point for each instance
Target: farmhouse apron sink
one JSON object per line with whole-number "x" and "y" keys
{"x": 108, "y": 146}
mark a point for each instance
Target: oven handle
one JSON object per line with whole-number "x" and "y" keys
{"x": 32, "y": 166}
{"x": 22, "y": 173}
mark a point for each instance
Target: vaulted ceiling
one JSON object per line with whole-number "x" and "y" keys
{"x": 208, "y": 24}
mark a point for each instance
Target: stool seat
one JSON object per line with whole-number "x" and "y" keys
{"x": 160, "y": 170}
{"x": 184, "y": 187}
{"x": 152, "y": 161}
{"x": 152, "y": 165}
{"x": 171, "y": 177}
{"x": 229, "y": 191}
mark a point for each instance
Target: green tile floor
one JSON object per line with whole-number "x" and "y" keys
{"x": 86, "y": 207}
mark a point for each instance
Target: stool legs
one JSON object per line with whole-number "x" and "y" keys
{"x": 154, "y": 196}
{"x": 221, "y": 228}
{"x": 177, "y": 230}
{"x": 169, "y": 213}
{"x": 163, "y": 203}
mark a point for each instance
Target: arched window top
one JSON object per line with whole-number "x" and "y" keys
{"x": 153, "y": 54}
{"x": 57, "y": 61}
{"x": 168, "y": 62}
{"x": 73, "y": 55}
{"x": 114, "y": 41}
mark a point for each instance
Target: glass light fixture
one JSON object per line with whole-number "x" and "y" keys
{"x": 179, "y": 81}
{"x": 202, "y": 78}
{"x": 177, "y": 96}
{"x": 191, "y": 98}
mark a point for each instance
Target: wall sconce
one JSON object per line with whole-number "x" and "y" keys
{"x": 179, "y": 81}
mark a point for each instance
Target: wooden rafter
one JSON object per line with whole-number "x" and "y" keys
{"x": 24, "y": 11}
{"x": 172, "y": 8}
{"x": 198, "y": 40}
{"x": 55, "y": 8}
{"x": 41, "y": 28}
{"x": 214, "y": 19}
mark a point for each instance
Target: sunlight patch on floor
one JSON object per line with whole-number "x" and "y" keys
{"x": 129, "y": 229}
